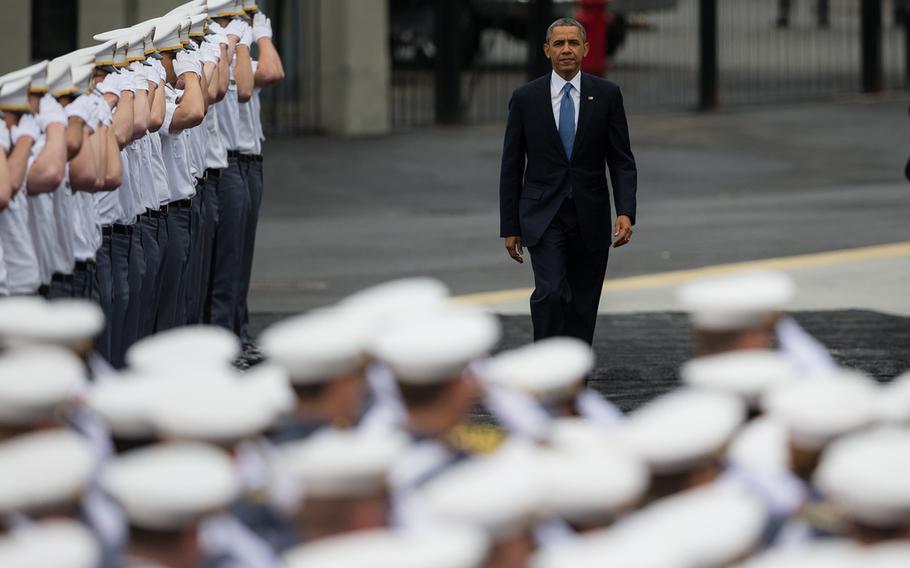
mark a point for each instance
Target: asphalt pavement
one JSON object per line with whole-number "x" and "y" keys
{"x": 787, "y": 183}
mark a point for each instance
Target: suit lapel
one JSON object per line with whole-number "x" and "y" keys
{"x": 546, "y": 109}
{"x": 584, "y": 113}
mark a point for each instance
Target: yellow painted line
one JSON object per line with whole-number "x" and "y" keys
{"x": 676, "y": 277}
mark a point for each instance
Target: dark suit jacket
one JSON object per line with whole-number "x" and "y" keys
{"x": 535, "y": 165}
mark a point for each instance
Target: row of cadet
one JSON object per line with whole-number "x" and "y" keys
{"x": 384, "y": 432}
{"x": 131, "y": 171}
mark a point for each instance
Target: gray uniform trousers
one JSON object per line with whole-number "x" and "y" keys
{"x": 172, "y": 301}
{"x": 85, "y": 281}
{"x": 151, "y": 316}
{"x": 135, "y": 309}
{"x": 61, "y": 288}
{"x": 120, "y": 295}
{"x": 194, "y": 297}
{"x": 208, "y": 224}
{"x": 149, "y": 289}
{"x": 253, "y": 173}
{"x": 233, "y": 211}
{"x": 104, "y": 278}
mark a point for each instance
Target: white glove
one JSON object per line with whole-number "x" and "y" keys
{"x": 5, "y": 142}
{"x": 157, "y": 72}
{"x": 27, "y": 126}
{"x": 110, "y": 85}
{"x": 209, "y": 53}
{"x": 216, "y": 28}
{"x": 262, "y": 27}
{"x": 187, "y": 62}
{"x": 126, "y": 81}
{"x": 219, "y": 39}
{"x": 139, "y": 76}
{"x": 103, "y": 112}
{"x": 83, "y": 107}
{"x": 50, "y": 112}
{"x": 236, "y": 28}
{"x": 247, "y": 37}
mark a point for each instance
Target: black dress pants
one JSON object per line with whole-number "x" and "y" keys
{"x": 568, "y": 279}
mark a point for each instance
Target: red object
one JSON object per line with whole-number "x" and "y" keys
{"x": 593, "y": 16}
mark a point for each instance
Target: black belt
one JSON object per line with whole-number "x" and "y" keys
{"x": 109, "y": 230}
{"x": 213, "y": 174}
{"x": 182, "y": 204}
{"x": 85, "y": 264}
{"x": 200, "y": 181}
{"x": 244, "y": 157}
{"x": 61, "y": 277}
{"x": 155, "y": 213}
{"x": 163, "y": 210}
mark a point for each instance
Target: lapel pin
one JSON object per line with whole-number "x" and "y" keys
{"x": 590, "y": 98}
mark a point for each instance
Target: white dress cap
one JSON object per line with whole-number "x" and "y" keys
{"x": 817, "y": 411}
{"x": 82, "y": 78}
{"x": 58, "y": 543}
{"x": 735, "y": 301}
{"x": 167, "y": 34}
{"x": 893, "y": 406}
{"x": 547, "y": 369}
{"x": 271, "y": 384}
{"x": 125, "y": 404}
{"x": 214, "y": 408}
{"x": 439, "y": 347}
{"x": 893, "y": 554}
{"x": 189, "y": 9}
{"x": 35, "y": 382}
{"x": 35, "y": 73}
{"x": 14, "y": 95}
{"x": 825, "y": 553}
{"x": 197, "y": 25}
{"x": 761, "y": 446}
{"x": 502, "y": 493}
{"x": 868, "y": 475}
{"x": 346, "y": 464}
{"x": 172, "y": 486}
{"x": 708, "y": 526}
{"x": 390, "y": 302}
{"x": 30, "y": 321}
{"x": 317, "y": 347}
{"x": 218, "y": 7}
{"x": 681, "y": 429}
{"x": 60, "y": 78}
{"x": 592, "y": 485}
{"x": 747, "y": 374}
{"x": 442, "y": 547}
{"x": 189, "y": 346}
{"x": 43, "y": 470}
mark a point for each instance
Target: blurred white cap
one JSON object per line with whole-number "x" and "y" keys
{"x": 548, "y": 369}
{"x": 55, "y": 543}
{"x": 746, "y": 374}
{"x": 35, "y": 382}
{"x": 192, "y": 346}
{"x": 736, "y": 301}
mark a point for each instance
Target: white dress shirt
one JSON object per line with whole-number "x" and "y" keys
{"x": 557, "y": 84}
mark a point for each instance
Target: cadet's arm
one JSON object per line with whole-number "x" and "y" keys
{"x": 224, "y": 72}
{"x": 270, "y": 70}
{"x": 74, "y": 137}
{"x": 157, "y": 105}
{"x": 243, "y": 73}
{"x": 17, "y": 161}
{"x": 98, "y": 140}
{"x": 212, "y": 80}
{"x": 49, "y": 167}
{"x": 6, "y": 190}
{"x": 113, "y": 175}
{"x": 123, "y": 120}
{"x": 191, "y": 110}
{"x": 83, "y": 173}
{"x": 141, "y": 114}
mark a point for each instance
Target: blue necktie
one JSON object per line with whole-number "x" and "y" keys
{"x": 567, "y": 120}
{"x": 567, "y": 128}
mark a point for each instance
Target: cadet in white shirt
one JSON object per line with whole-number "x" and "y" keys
{"x": 6, "y": 191}
{"x": 23, "y": 276}
{"x": 179, "y": 117}
{"x": 233, "y": 195}
{"x": 268, "y": 70}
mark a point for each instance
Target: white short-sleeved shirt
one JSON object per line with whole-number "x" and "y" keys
{"x": 108, "y": 203}
{"x": 196, "y": 147}
{"x": 41, "y": 223}
{"x": 175, "y": 153}
{"x": 247, "y": 135}
{"x": 216, "y": 153}
{"x": 64, "y": 214}
{"x": 4, "y": 285}
{"x": 140, "y": 167}
{"x": 22, "y": 274}
{"x": 130, "y": 199}
{"x": 87, "y": 230}
{"x": 159, "y": 172}
{"x": 229, "y": 116}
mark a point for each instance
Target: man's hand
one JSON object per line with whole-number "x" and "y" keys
{"x": 513, "y": 247}
{"x": 623, "y": 232}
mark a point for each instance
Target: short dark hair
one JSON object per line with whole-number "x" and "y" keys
{"x": 563, "y": 22}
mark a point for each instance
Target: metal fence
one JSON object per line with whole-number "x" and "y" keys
{"x": 761, "y": 58}
{"x": 293, "y": 105}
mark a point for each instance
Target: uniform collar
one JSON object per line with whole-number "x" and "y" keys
{"x": 557, "y": 83}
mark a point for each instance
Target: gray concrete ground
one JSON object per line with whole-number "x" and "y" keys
{"x": 716, "y": 188}
{"x": 816, "y": 190}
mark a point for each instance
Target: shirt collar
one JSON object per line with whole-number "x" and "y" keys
{"x": 557, "y": 83}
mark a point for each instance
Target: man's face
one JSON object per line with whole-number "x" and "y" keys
{"x": 565, "y": 49}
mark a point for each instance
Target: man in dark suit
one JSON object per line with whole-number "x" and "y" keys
{"x": 564, "y": 130}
